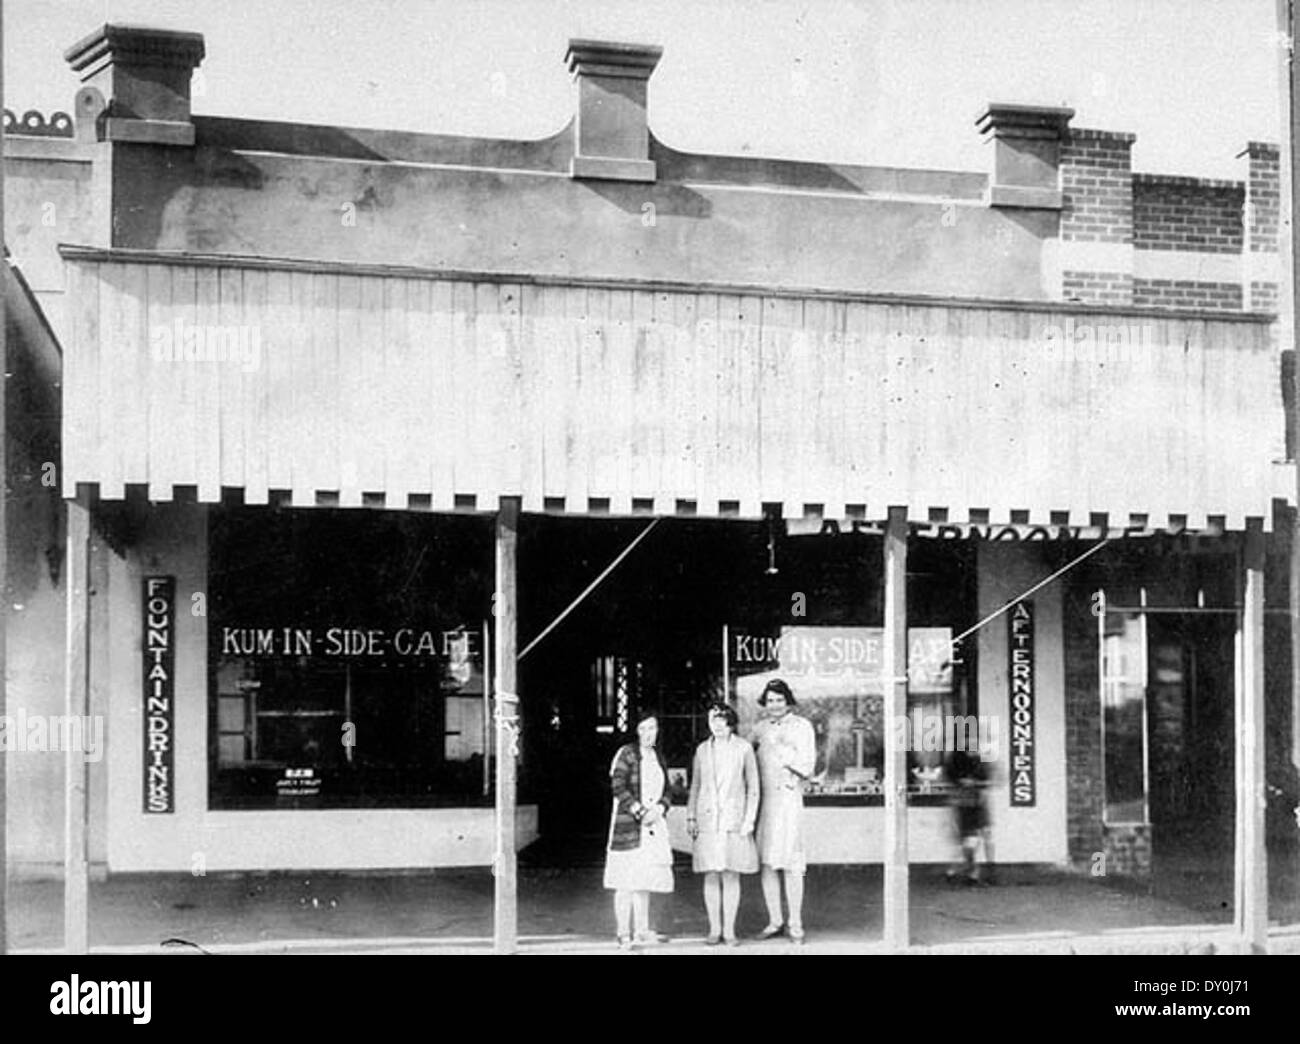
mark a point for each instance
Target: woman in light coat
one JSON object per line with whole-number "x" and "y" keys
{"x": 721, "y": 815}
{"x": 787, "y": 752}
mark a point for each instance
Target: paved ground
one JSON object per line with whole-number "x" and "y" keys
{"x": 1029, "y": 909}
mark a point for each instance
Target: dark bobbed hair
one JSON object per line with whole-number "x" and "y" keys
{"x": 727, "y": 711}
{"x": 635, "y": 721}
{"x": 779, "y": 687}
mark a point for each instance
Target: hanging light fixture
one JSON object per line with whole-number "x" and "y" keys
{"x": 772, "y": 569}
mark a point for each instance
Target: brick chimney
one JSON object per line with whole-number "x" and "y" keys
{"x": 613, "y": 137}
{"x": 1026, "y": 154}
{"x": 143, "y": 76}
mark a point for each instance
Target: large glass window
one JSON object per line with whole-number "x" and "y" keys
{"x": 836, "y": 676}
{"x": 1124, "y": 716}
{"x": 822, "y": 633}
{"x": 345, "y": 655}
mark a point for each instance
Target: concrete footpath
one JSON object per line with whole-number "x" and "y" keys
{"x": 566, "y": 911}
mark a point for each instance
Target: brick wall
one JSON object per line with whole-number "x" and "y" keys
{"x": 1175, "y": 213}
{"x": 1097, "y": 207}
{"x": 1096, "y": 182}
{"x": 1263, "y": 209}
{"x": 1128, "y": 850}
{"x": 1097, "y": 287}
{"x": 1263, "y": 196}
{"x": 1084, "y": 794}
{"x": 1263, "y": 296}
{"x": 1187, "y": 293}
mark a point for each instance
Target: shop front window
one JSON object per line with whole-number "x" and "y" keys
{"x": 345, "y": 654}
{"x": 836, "y": 676}
{"x": 1124, "y": 716}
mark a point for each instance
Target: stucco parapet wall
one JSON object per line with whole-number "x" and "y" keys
{"x": 551, "y": 156}
{"x": 80, "y": 253}
{"x": 70, "y": 150}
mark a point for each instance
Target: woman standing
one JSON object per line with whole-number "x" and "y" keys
{"x": 639, "y": 859}
{"x": 786, "y": 757}
{"x": 720, "y": 819}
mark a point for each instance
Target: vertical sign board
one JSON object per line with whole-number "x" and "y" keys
{"x": 1020, "y": 670}
{"x": 159, "y": 694}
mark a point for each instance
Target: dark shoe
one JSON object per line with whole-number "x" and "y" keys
{"x": 772, "y": 931}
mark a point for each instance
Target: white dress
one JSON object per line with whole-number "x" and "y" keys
{"x": 649, "y": 866}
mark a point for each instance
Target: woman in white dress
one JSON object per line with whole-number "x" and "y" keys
{"x": 639, "y": 858}
{"x": 786, "y": 756}
{"x": 721, "y": 816}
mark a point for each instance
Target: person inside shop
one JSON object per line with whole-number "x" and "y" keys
{"x": 639, "y": 858}
{"x": 971, "y": 817}
{"x": 720, "y": 817}
{"x": 786, "y": 758}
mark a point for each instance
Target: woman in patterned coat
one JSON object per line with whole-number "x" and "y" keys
{"x": 639, "y": 858}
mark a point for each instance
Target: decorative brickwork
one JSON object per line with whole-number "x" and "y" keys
{"x": 33, "y": 123}
{"x": 1174, "y": 213}
{"x": 1187, "y": 293}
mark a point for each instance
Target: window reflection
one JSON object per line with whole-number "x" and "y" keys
{"x": 1123, "y": 701}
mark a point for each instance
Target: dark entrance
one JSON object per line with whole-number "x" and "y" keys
{"x": 648, "y": 638}
{"x": 1191, "y": 731}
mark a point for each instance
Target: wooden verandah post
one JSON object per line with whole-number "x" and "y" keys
{"x": 505, "y": 919}
{"x": 1250, "y": 862}
{"x": 76, "y": 897}
{"x": 897, "y": 933}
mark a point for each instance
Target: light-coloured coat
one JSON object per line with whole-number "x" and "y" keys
{"x": 723, "y": 807}
{"x": 724, "y": 786}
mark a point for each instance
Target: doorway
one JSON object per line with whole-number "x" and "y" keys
{"x": 1191, "y": 729}
{"x": 648, "y": 638}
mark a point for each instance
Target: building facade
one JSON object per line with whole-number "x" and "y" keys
{"x": 995, "y": 459}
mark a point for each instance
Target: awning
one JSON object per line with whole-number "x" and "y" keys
{"x": 407, "y": 388}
